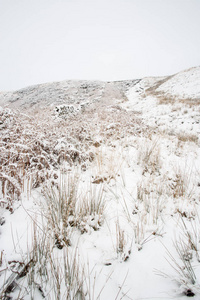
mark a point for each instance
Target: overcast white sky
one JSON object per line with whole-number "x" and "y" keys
{"x": 52, "y": 40}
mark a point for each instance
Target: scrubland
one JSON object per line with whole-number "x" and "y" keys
{"x": 101, "y": 202}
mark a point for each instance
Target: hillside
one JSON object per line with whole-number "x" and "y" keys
{"x": 66, "y": 92}
{"x": 100, "y": 189}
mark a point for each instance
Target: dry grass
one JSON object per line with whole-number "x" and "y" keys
{"x": 33, "y": 145}
{"x": 68, "y": 207}
{"x": 91, "y": 209}
{"x": 108, "y": 163}
{"x": 166, "y": 98}
{"x": 149, "y": 156}
{"x": 185, "y": 273}
{"x": 183, "y": 261}
{"x": 148, "y": 212}
{"x": 170, "y": 99}
{"x": 190, "y": 101}
{"x": 184, "y": 137}
{"x": 29, "y": 149}
{"x": 61, "y": 209}
{"x": 120, "y": 239}
{"x": 47, "y": 272}
{"x": 179, "y": 185}
{"x": 60, "y": 274}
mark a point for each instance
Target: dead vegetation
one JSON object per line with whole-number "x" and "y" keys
{"x": 149, "y": 156}
{"x": 32, "y": 151}
{"x": 44, "y": 150}
{"x": 32, "y": 148}
{"x": 184, "y": 137}
{"x": 166, "y": 98}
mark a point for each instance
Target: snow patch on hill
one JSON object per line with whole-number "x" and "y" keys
{"x": 185, "y": 84}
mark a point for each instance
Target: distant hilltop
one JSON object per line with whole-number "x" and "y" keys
{"x": 183, "y": 85}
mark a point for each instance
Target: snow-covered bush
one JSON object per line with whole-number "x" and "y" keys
{"x": 30, "y": 150}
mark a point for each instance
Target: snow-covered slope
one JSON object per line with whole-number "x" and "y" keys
{"x": 100, "y": 190}
{"x": 66, "y": 92}
{"x": 185, "y": 84}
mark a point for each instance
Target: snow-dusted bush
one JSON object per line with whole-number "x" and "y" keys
{"x": 30, "y": 150}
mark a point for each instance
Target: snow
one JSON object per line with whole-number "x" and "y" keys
{"x": 184, "y": 84}
{"x": 131, "y": 182}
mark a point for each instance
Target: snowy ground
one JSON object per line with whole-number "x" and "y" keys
{"x": 102, "y": 202}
